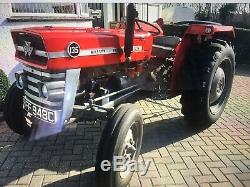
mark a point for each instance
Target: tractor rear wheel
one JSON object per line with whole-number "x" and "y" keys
{"x": 121, "y": 137}
{"x": 209, "y": 77}
{"x": 13, "y": 111}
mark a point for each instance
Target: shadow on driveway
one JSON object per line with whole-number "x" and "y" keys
{"x": 69, "y": 157}
{"x": 165, "y": 132}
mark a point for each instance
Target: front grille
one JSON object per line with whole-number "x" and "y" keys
{"x": 35, "y": 76}
{"x": 33, "y": 42}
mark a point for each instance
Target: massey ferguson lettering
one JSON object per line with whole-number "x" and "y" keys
{"x": 104, "y": 51}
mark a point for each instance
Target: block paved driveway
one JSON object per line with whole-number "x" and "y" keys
{"x": 181, "y": 156}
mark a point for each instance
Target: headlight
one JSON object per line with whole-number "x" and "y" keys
{"x": 19, "y": 80}
{"x": 44, "y": 91}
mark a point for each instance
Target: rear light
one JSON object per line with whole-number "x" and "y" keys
{"x": 208, "y": 30}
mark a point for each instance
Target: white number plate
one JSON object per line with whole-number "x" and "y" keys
{"x": 39, "y": 112}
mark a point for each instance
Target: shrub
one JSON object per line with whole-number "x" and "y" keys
{"x": 242, "y": 46}
{"x": 226, "y": 12}
{"x": 174, "y": 30}
{"x": 4, "y": 85}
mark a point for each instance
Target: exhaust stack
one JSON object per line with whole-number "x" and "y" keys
{"x": 129, "y": 31}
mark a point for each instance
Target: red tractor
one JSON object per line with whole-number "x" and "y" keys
{"x": 87, "y": 73}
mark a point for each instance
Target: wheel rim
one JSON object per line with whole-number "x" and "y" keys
{"x": 219, "y": 88}
{"x": 129, "y": 147}
{"x": 218, "y": 85}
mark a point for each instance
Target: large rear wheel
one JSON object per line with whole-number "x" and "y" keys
{"x": 211, "y": 73}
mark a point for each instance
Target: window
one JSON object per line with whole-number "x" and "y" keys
{"x": 50, "y": 9}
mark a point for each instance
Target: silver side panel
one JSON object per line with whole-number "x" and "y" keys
{"x": 67, "y": 89}
{"x": 71, "y": 84}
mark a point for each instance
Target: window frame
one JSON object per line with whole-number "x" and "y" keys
{"x": 80, "y": 13}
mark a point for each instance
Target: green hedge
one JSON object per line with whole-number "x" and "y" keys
{"x": 4, "y": 85}
{"x": 174, "y": 30}
{"x": 241, "y": 44}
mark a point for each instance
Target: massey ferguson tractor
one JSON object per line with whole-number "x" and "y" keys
{"x": 73, "y": 74}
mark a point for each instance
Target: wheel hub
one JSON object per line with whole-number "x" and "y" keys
{"x": 218, "y": 85}
{"x": 129, "y": 150}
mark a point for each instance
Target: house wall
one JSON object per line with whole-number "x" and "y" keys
{"x": 7, "y": 49}
{"x": 149, "y": 12}
{"x": 109, "y": 14}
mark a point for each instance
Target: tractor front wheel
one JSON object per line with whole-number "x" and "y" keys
{"x": 122, "y": 137}
{"x": 13, "y": 111}
{"x": 210, "y": 76}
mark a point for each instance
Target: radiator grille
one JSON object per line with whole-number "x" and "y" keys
{"x": 31, "y": 88}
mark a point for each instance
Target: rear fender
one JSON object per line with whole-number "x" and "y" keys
{"x": 182, "y": 51}
{"x": 189, "y": 42}
{"x": 211, "y": 30}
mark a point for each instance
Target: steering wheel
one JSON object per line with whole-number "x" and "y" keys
{"x": 158, "y": 31}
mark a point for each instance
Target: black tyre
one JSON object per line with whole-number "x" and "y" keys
{"x": 208, "y": 78}
{"x": 122, "y": 136}
{"x": 13, "y": 111}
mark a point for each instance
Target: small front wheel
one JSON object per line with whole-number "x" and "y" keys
{"x": 13, "y": 111}
{"x": 122, "y": 137}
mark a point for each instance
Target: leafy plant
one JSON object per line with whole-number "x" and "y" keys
{"x": 227, "y": 12}
{"x": 4, "y": 85}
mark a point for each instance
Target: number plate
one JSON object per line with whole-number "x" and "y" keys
{"x": 38, "y": 111}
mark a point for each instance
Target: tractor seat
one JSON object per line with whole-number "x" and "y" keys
{"x": 163, "y": 46}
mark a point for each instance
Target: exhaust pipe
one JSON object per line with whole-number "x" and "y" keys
{"x": 129, "y": 31}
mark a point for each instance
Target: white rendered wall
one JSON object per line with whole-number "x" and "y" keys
{"x": 109, "y": 14}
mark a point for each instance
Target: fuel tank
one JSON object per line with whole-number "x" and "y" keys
{"x": 62, "y": 48}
